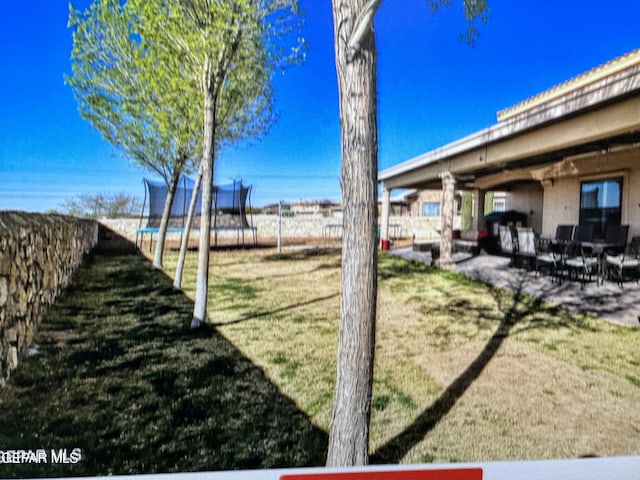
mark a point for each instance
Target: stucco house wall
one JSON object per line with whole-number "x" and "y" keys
{"x": 527, "y": 198}
{"x": 631, "y": 212}
{"x": 561, "y": 205}
{"x": 562, "y": 197}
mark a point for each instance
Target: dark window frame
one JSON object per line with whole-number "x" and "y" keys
{"x": 599, "y": 205}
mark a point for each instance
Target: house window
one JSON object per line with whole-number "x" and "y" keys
{"x": 601, "y": 204}
{"x": 431, "y": 209}
{"x": 499, "y": 205}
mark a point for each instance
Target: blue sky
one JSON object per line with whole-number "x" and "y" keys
{"x": 432, "y": 87}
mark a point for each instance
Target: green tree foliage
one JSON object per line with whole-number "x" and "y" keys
{"x": 475, "y": 11}
{"x": 126, "y": 89}
{"x": 134, "y": 94}
{"x": 232, "y": 49}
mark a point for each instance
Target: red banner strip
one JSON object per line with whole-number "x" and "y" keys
{"x": 451, "y": 474}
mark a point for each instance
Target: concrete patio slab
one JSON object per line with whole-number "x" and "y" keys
{"x": 608, "y": 301}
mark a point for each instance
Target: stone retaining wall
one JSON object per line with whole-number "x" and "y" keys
{"x": 38, "y": 255}
{"x": 302, "y": 227}
{"x": 317, "y": 226}
{"x": 296, "y": 227}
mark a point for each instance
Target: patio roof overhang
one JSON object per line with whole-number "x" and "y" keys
{"x": 596, "y": 112}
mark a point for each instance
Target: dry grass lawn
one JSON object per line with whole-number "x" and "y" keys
{"x": 464, "y": 372}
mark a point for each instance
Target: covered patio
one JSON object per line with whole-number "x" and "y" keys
{"x": 607, "y": 301}
{"x": 549, "y": 154}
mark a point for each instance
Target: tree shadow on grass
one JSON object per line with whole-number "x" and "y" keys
{"x": 331, "y": 255}
{"x": 139, "y": 392}
{"x": 267, "y": 313}
{"x": 606, "y": 300}
{"x": 519, "y": 308}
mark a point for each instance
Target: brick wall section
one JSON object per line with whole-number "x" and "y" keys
{"x": 38, "y": 255}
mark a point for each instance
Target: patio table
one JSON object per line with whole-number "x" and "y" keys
{"x": 598, "y": 248}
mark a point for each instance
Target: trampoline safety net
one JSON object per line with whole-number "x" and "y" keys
{"x": 229, "y": 208}
{"x": 156, "y": 194}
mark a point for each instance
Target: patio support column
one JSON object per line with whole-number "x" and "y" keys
{"x": 477, "y": 222}
{"x": 447, "y": 213}
{"x": 386, "y": 207}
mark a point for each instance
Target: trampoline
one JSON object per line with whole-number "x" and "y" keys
{"x": 229, "y": 213}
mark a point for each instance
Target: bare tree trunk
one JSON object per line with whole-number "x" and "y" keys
{"x": 184, "y": 243}
{"x": 164, "y": 222}
{"x": 206, "y": 169}
{"x": 349, "y": 436}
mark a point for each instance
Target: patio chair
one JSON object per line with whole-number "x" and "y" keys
{"x": 527, "y": 246}
{"x": 583, "y": 234}
{"x": 551, "y": 259}
{"x": 629, "y": 260}
{"x": 553, "y": 252}
{"x": 615, "y": 239}
{"x": 508, "y": 242}
{"x": 564, "y": 234}
{"x": 584, "y": 262}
